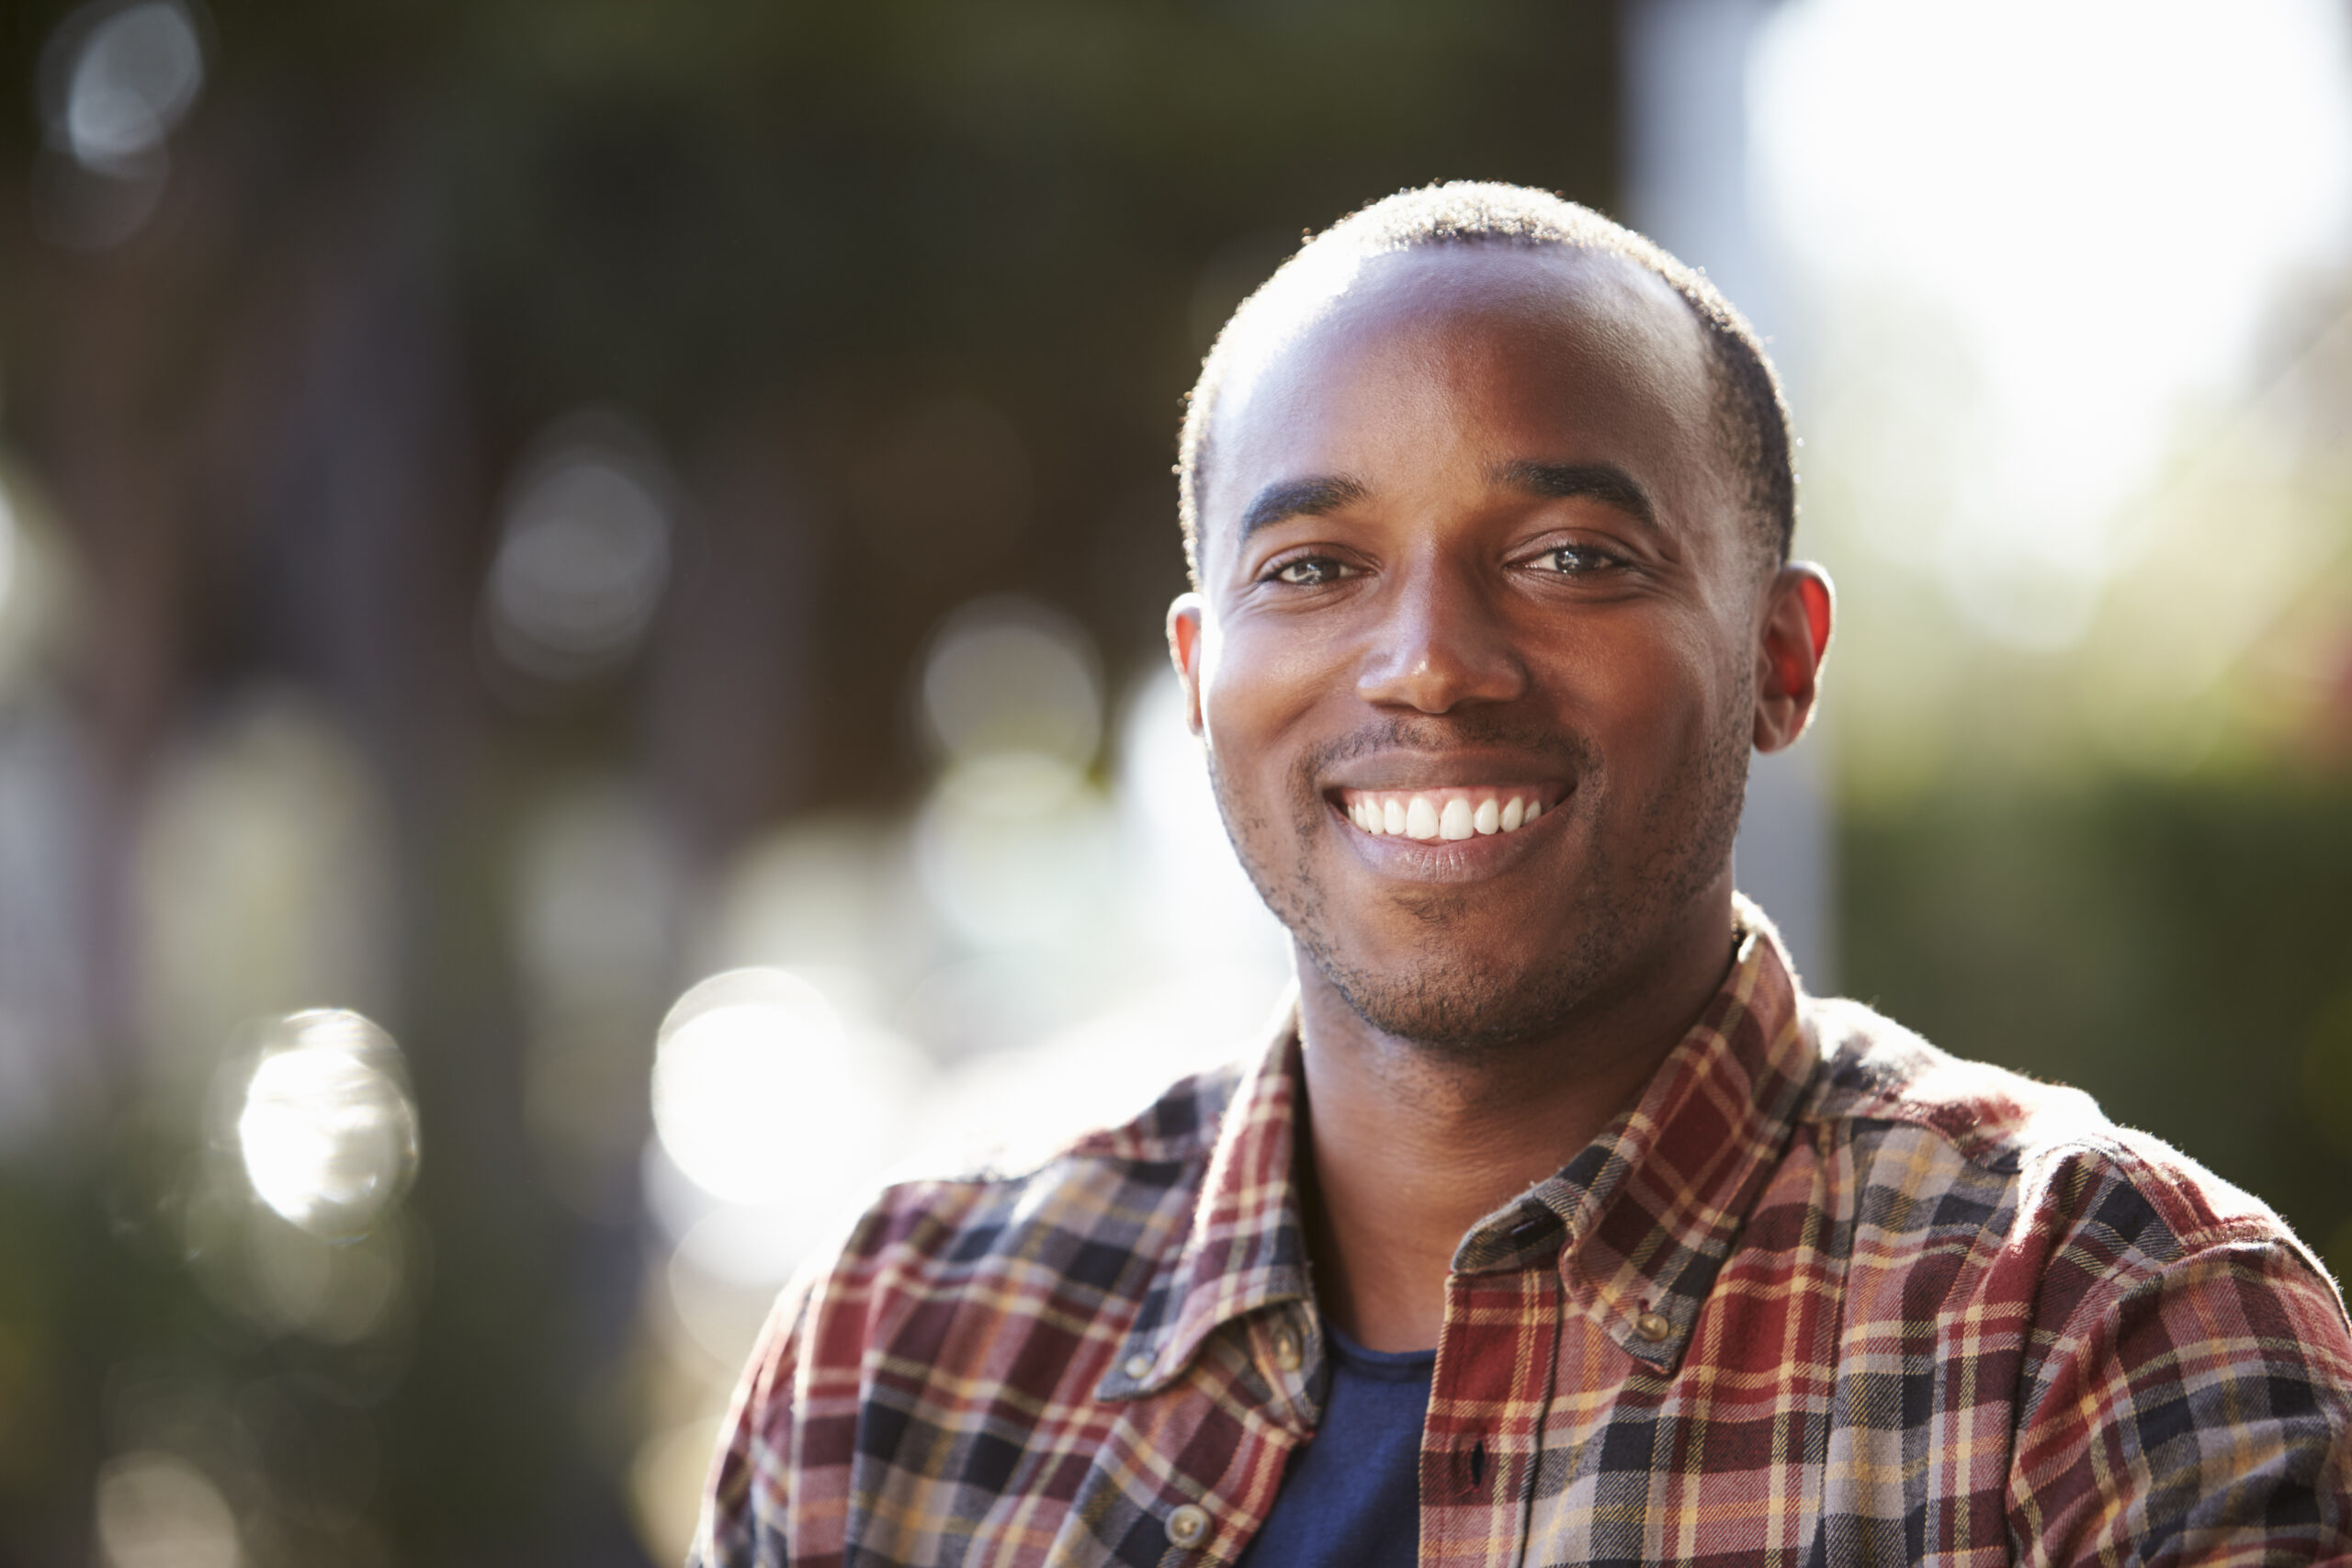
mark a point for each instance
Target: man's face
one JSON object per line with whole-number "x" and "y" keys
{"x": 1472, "y": 556}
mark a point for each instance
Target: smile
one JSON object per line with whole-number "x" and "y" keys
{"x": 1448, "y": 812}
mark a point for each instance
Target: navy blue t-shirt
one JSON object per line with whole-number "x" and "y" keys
{"x": 1351, "y": 1498}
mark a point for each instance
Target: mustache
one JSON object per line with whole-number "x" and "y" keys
{"x": 1571, "y": 751}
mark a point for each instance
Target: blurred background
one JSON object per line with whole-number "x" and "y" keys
{"x": 580, "y": 657}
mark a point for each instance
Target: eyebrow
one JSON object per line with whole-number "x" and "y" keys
{"x": 1300, "y": 498}
{"x": 1604, "y": 482}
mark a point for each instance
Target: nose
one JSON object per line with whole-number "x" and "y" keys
{"x": 1443, "y": 643}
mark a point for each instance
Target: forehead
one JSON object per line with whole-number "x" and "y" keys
{"x": 1488, "y": 352}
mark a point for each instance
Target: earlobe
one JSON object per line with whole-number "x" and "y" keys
{"x": 1185, "y": 633}
{"x": 1799, "y": 615}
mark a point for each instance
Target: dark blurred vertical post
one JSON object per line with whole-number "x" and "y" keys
{"x": 1686, "y": 186}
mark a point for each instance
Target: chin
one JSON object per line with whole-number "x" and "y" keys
{"x": 1450, "y": 1002}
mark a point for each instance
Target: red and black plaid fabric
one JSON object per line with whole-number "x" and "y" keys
{"x": 1826, "y": 1295}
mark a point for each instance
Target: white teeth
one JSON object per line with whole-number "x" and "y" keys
{"x": 1447, "y": 816}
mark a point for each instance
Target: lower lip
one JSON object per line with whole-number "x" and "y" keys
{"x": 1442, "y": 860}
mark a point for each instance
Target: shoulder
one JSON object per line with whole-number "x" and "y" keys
{"x": 950, "y": 1293}
{"x": 1095, "y": 1208}
{"x": 2042, "y": 1154}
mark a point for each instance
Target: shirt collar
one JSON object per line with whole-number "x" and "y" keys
{"x": 1638, "y": 1223}
{"x": 1246, "y": 1247}
{"x": 1641, "y": 1221}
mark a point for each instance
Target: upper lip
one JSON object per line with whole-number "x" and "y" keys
{"x": 1440, "y": 769}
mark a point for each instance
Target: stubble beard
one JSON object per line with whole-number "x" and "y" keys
{"x": 1457, "y": 1001}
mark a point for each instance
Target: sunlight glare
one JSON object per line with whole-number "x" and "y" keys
{"x": 762, "y": 1093}
{"x": 328, "y": 1132}
{"x": 2091, "y": 203}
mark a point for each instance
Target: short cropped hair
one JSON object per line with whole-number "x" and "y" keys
{"x": 1751, "y": 416}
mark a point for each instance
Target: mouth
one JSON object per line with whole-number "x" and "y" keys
{"x": 1445, "y": 813}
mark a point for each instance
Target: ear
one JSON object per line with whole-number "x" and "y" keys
{"x": 1186, "y": 630}
{"x": 1799, "y": 610}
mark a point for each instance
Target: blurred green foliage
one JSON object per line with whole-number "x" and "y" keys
{"x": 2179, "y": 948}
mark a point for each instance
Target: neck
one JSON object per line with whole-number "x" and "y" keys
{"x": 1411, "y": 1144}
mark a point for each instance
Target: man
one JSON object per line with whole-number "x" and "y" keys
{"x": 1556, "y": 1225}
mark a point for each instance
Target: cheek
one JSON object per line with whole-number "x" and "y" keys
{"x": 1653, "y": 698}
{"x": 1254, "y": 688}
{"x": 1223, "y": 699}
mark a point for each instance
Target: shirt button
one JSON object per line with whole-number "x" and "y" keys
{"x": 1188, "y": 1525}
{"x": 1652, "y": 1328}
{"x": 1286, "y": 1349}
{"x": 1138, "y": 1368}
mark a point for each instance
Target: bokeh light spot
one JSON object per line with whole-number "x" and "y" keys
{"x": 584, "y": 553}
{"x": 761, "y": 1093}
{"x": 156, "y": 1511}
{"x": 134, "y": 76}
{"x": 328, "y": 1132}
{"x": 1010, "y": 674}
{"x": 1015, "y": 848}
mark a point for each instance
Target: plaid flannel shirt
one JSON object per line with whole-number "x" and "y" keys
{"x": 1825, "y": 1295}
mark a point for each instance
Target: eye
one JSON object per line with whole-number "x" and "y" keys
{"x": 1579, "y": 560}
{"x": 1311, "y": 571}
